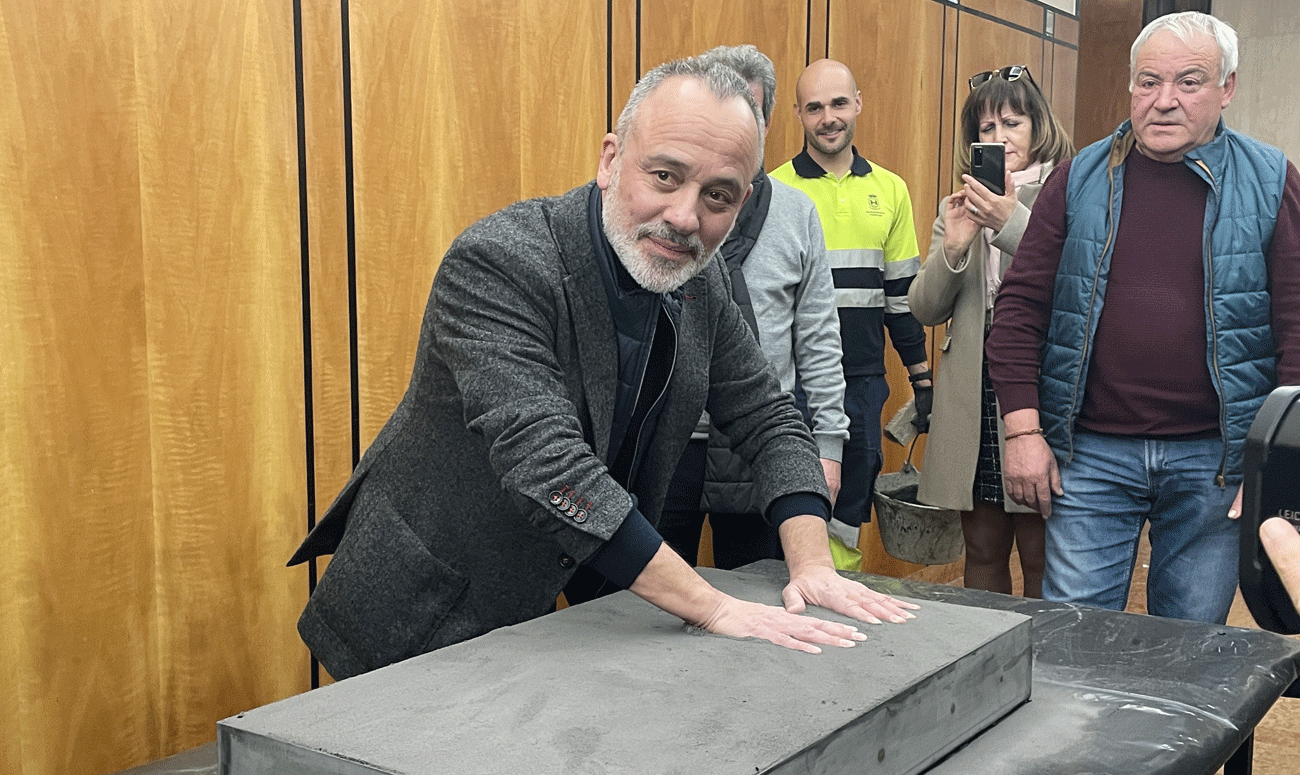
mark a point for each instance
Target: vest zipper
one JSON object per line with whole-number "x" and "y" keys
{"x": 1221, "y": 478}
{"x": 1092, "y": 303}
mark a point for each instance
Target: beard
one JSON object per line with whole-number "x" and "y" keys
{"x": 846, "y": 139}
{"x": 654, "y": 273}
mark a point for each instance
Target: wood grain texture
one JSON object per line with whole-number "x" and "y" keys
{"x": 444, "y": 95}
{"x": 1065, "y": 64}
{"x": 776, "y": 27}
{"x": 78, "y": 593}
{"x": 1107, "y": 29}
{"x": 1066, "y": 29}
{"x": 1020, "y": 12}
{"x": 624, "y": 55}
{"x": 818, "y": 14}
{"x": 222, "y": 320}
{"x": 152, "y": 391}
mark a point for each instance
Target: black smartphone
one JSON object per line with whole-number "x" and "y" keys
{"x": 988, "y": 165}
{"x": 1271, "y": 489}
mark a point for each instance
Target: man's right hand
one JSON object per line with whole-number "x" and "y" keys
{"x": 672, "y": 585}
{"x": 742, "y": 619}
{"x": 1029, "y": 467}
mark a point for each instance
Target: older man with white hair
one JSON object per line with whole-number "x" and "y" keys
{"x": 1153, "y": 304}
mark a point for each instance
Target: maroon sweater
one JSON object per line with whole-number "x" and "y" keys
{"x": 1148, "y": 375}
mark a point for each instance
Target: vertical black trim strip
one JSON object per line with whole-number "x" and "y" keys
{"x": 609, "y": 66}
{"x": 637, "y": 77}
{"x": 826, "y": 41}
{"x": 807, "y": 35}
{"x": 351, "y": 209}
{"x": 304, "y": 242}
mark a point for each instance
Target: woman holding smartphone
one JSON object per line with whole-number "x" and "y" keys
{"x": 974, "y": 238}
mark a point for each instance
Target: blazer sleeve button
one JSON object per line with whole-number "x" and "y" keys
{"x": 566, "y": 561}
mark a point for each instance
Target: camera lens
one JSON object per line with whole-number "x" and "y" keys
{"x": 977, "y": 155}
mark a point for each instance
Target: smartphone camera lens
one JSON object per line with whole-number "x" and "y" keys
{"x": 977, "y": 155}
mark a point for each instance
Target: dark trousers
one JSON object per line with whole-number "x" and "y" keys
{"x": 738, "y": 539}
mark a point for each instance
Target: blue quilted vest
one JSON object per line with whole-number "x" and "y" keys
{"x": 1246, "y": 179}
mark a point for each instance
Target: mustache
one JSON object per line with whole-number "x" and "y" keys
{"x": 663, "y": 231}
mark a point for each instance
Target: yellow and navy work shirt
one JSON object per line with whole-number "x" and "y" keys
{"x": 871, "y": 243}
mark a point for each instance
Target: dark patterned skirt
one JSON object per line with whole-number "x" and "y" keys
{"x": 988, "y": 467}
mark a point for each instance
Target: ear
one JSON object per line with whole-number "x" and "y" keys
{"x": 608, "y": 154}
{"x": 857, "y": 103}
{"x": 748, "y": 190}
{"x": 1229, "y": 89}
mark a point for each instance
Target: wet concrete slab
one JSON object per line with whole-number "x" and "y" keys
{"x": 616, "y": 686}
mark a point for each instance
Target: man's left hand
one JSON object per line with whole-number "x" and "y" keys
{"x": 822, "y": 586}
{"x": 1234, "y": 510}
{"x": 923, "y": 400}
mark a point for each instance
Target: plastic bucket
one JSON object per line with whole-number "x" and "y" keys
{"x": 911, "y": 531}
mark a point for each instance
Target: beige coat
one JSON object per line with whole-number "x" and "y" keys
{"x": 941, "y": 294}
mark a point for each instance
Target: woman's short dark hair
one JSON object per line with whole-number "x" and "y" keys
{"x": 1049, "y": 142}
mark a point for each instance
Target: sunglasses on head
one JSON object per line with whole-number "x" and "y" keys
{"x": 1008, "y": 73}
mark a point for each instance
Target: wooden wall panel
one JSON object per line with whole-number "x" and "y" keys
{"x": 222, "y": 287}
{"x": 818, "y": 16}
{"x": 1019, "y": 12}
{"x": 1065, "y": 62}
{"x": 77, "y": 626}
{"x": 561, "y": 82}
{"x": 777, "y": 27}
{"x": 443, "y": 95}
{"x": 1107, "y": 29}
{"x": 624, "y": 55}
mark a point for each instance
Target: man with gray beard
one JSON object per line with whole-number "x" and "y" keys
{"x": 567, "y": 350}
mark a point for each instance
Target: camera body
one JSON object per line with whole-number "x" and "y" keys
{"x": 1270, "y": 488}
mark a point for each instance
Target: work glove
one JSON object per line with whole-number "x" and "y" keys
{"x": 923, "y": 398}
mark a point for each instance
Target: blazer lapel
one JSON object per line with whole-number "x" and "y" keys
{"x": 593, "y": 325}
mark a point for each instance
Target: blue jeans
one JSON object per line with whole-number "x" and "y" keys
{"x": 1116, "y": 484}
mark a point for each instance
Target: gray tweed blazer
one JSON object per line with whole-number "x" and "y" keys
{"x": 459, "y": 518}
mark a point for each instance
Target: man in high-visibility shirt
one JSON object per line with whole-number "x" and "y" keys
{"x": 866, "y": 215}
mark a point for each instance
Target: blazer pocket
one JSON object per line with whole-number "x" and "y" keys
{"x": 384, "y": 593}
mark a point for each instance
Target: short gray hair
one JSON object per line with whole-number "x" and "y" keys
{"x": 725, "y": 83}
{"x": 754, "y": 66}
{"x": 1186, "y": 26}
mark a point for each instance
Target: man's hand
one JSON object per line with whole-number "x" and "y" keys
{"x": 1029, "y": 467}
{"x": 670, "y": 584}
{"x": 814, "y": 580}
{"x": 922, "y": 394}
{"x": 923, "y": 400}
{"x": 820, "y": 585}
{"x": 1282, "y": 545}
{"x": 1234, "y": 510}
{"x": 743, "y": 619}
{"x": 831, "y": 468}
